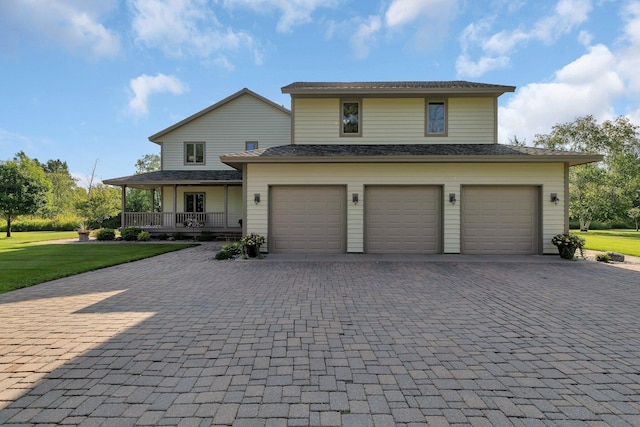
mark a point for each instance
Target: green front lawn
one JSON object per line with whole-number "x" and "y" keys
{"x": 622, "y": 241}
{"x": 24, "y": 264}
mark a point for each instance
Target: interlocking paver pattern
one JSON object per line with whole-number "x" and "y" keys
{"x": 182, "y": 339}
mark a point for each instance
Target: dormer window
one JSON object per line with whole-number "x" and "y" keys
{"x": 436, "y": 120}
{"x": 251, "y": 145}
{"x": 350, "y": 117}
{"x": 194, "y": 153}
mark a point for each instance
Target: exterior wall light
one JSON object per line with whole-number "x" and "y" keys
{"x": 452, "y": 198}
{"x": 554, "y": 198}
{"x": 355, "y": 198}
{"x": 256, "y": 198}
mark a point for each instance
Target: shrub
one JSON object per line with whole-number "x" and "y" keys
{"x": 144, "y": 236}
{"x": 603, "y": 258}
{"x": 206, "y": 236}
{"x": 29, "y": 223}
{"x": 179, "y": 236}
{"x": 131, "y": 233}
{"x": 106, "y": 234}
{"x": 162, "y": 236}
{"x": 228, "y": 251}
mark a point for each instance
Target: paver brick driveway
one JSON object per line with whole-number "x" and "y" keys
{"x": 183, "y": 340}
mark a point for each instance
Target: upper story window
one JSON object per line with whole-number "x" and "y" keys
{"x": 194, "y": 153}
{"x": 251, "y": 145}
{"x": 350, "y": 117}
{"x": 436, "y": 120}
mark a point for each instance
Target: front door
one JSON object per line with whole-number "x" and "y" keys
{"x": 194, "y": 207}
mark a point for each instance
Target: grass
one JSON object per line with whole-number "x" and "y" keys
{"x": 24, "y": 264}
{"x": 626, "y": 242}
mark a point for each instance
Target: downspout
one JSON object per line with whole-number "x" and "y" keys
{"x": 566, "y": 197}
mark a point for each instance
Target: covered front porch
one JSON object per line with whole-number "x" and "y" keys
{"x": 191, "y": 202}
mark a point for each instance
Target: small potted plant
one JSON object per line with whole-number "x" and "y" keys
{"x": 251, "y": 245}
{"x": 567, "y": 244}
{"x": 83, "y": 232}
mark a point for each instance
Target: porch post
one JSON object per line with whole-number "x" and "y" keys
{"x": 153, "y": 198}
{"x": 124, "y": 204}
{"x": 175, "y": 205}
{"x": 226, "y": 206}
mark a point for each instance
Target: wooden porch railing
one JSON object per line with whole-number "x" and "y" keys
{"x": 176, "y": 220}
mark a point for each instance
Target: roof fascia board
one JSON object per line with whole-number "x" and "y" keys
{"x": 571, "y": 160}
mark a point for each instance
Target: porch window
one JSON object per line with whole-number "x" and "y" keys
{"x": 194, "y": 202}
{"x": 350, "y": 118}
{"x": 194, "y": 153}
{"x": 436, "y": 120}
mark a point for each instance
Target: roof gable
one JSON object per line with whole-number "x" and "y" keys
{"x": 227, "y": 100}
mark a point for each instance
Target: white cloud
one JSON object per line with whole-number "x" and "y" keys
{"x": 293, "y": 12}
{"x": 588, "y": 85}
{"x": 184, "y": 28}
{"x": 363, "y": 37}
{"x": 72, "y": 24}
{"x": 494, "y": 49}
{"x": 402, "y": 12}
{"x": 144, "y": 86}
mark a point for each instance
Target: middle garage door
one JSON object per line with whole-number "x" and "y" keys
{"x": 403, "y": 219}
{"x": 308, "y": 219}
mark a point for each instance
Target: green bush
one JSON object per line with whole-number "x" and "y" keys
{"x": 28, "y": 223}
{"x": 206, "y": 236}
{"x": 144, "y": 236}
{"x": 162, "y": 236}
{"x": 228, "y": 251}
{"x": 130, "y": 234}
{"x": 179, "y": 236}
{"x": 106, "y": 234}
{"x": 603, "y": 258}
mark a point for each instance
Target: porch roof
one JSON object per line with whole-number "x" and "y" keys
{"x": 402, "y": 153}
{"x": 178, "y": 177}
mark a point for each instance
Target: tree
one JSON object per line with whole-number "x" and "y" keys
{"x": 100, "y": 202}
{"x": 24, "y": 189}
{"x": 604, "y": 191}
{"x": 634, "y": 214}
{"x": 139, "y": 200}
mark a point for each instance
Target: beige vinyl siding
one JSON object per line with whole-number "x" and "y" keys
{"x": 226, "y": 130}
{"x": 214, "y": 200}
{"x": 451, "y": 176}
{"x": 234, "y": 205}
{"x": 394, "y": 121}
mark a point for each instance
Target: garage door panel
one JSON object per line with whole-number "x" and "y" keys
{"x": 500, "y": 220}
{"x": 307, "y": 219}
{"x": 403, "y": 219}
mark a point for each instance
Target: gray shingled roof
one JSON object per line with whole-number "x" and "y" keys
{"x": 167, "y": 177}
{"x": 407, "y": 152}
{"x": 403, "y": 87}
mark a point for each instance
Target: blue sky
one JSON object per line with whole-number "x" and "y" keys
{"x": 87, "y": 80}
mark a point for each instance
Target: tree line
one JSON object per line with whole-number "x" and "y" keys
{"x": 608, "y": 190}
{"x": 49, "y": 191}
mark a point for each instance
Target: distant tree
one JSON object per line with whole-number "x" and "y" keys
{"x": 604, "y": 191}
{"x": 24, "y": 189}
{"x": 139, "y": 200}
{"x": 64, "y": 187}
{"x": 634, "y": 214}
{"x": 99, "y": 203}
{"x": 518, "y": 143}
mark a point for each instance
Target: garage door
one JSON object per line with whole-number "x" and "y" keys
{"x": 403, "y": 219}
{"x": 307, "y": 219}
{"x": 499, "y": 220}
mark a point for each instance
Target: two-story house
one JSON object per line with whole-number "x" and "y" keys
{"x": 374, "y": 167}
{"x": 198, "y": 192}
